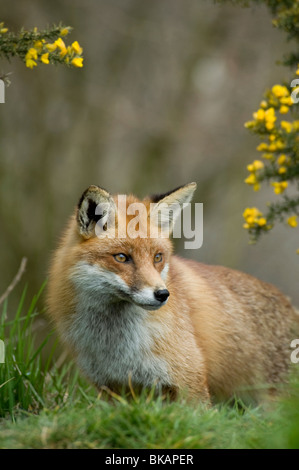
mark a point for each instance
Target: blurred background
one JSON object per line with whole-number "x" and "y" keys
{"x": 161, "y": 101}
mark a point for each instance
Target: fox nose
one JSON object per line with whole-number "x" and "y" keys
{"x": 161, "y": 295}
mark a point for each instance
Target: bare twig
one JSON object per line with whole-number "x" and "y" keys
{"x": 15, "y": 280}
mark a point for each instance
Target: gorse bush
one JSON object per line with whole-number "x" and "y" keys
{"x": 35, "y": 47}
{"x": 279, "y": 164}
{"x": 276, "y": 123}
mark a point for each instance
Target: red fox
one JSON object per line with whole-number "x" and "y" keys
{"x": 132, "y": 313}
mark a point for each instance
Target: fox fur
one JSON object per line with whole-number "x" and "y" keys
{"x": 219, "y": 333}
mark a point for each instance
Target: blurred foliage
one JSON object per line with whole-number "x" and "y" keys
{"x": 161, "y": 101}
{"x": 286, "y": 18}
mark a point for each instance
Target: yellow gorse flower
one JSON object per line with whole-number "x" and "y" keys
{"x": 287, "y": 101}
{"x": 54, "y": 52}
{"x": 287, "y": 126}
{"x": 64, "y": 31}
{"x": 60, "y": 43}
{"x": 262, "y": 221}
{"x": 30, "y": 63}
{"x": 256, "y": 165}
{"x": 77, "y": 62}
{"x": 263, "y": 116}
{"x": 280, "y": 91}
{"x": 263, "y": 104}
{"x": 31, "y": 57}
{"x": 77, "y": 48}
{"x": 31, "y": 54}
{"x": 51, "y": 47}
{"x": 3, "y": 30}
{"x": 270, "y": 118}
{"x": 280, "y": 187}
{"x": 45, "y": 58}
{"x": 38, "y": 45}
{"x": 252, "y": 178}
{"x": 253, "y": 217}
{"x": 282, "y": 170}
{"x": 63, "y": 52}
{"x": 280, "y": 144}
{"x": 272, "y": 147}
{"x": 259, "y": 115}
{"x": 282, "y": 159}
{"x": 292, "y": 221}
{"x": 284, "y": 109}
{"x": 262, "y": 147}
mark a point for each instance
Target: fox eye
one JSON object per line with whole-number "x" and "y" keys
{"x": 158, "y": 258}
{"x": 121, "y": 257}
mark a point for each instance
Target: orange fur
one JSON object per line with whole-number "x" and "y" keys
{"x": 221, "y": 332}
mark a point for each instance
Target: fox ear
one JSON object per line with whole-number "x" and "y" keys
{"x": 96, "y": 207}
{"x": 167, "y": 207}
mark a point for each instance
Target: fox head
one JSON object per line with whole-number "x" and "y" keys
{"x": 124, "y": 247}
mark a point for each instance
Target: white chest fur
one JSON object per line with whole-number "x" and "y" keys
{"x": 113, "y": 340}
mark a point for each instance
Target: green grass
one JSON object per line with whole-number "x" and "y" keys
{"x": 21, "y": 375}
{"x": 42, "y": 406}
